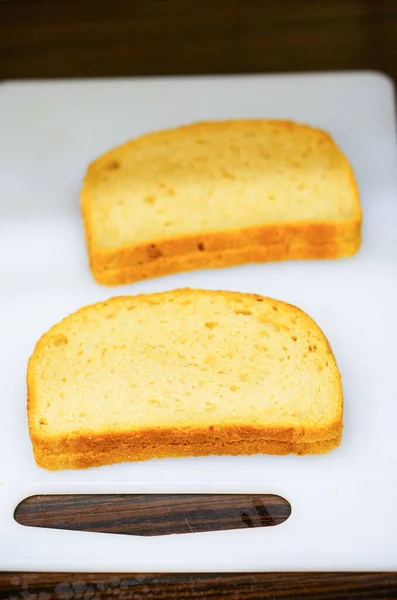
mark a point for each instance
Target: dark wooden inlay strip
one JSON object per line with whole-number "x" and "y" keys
{"x": 152, "y": 514}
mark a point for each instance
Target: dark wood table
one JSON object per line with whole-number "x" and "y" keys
{"x": 236, "y": 586}
{"x": 85, "y": 38}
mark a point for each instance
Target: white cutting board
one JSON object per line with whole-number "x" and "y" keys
{"x": 49, "y": 131}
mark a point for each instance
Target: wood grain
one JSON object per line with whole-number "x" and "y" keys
{"x": 236, "y": 586}
{"x": 152, "y": 514}
{"x": 82, "y": 38}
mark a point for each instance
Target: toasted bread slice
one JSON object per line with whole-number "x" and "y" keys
{"x": 218, "y": 194}
{"x": 182, "y": 373}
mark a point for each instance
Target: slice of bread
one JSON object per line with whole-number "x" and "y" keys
{"x": 218, "y": 194}
{"x": 182, "y": 373}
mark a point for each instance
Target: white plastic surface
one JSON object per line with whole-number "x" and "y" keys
{"x": 48, "y": 134}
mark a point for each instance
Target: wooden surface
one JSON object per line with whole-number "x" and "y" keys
{"x": 153, "y": 514}
{"x": 82, "y": 38}
{"x": 234, "y": 586}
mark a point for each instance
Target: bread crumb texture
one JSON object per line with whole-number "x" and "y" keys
{"x": 217, "y": 194}
{"x": 182, "y": 373}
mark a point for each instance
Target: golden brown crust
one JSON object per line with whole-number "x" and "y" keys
{"x": 267, "y": 243}
{"x": 116, "y": 452}
{"x": 212, "y": 249}
{"x": 85, "y": 448}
